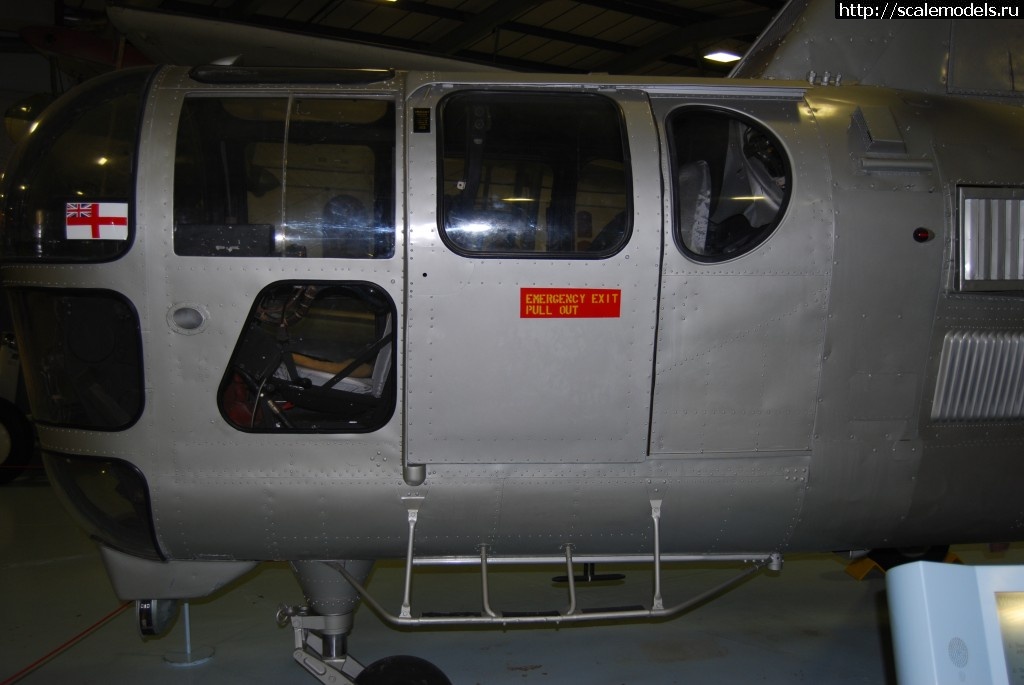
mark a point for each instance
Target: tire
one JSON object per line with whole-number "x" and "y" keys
{"x": 402, "y": 670}
{"x": 17, "y": 440}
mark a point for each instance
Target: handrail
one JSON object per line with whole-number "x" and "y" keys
{"x": 576, "y": 617}
{"x": 572, "y": 614}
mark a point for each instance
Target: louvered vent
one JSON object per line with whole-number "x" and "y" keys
{"x": 981, "y": 377}
{"x": 991, "y": 238}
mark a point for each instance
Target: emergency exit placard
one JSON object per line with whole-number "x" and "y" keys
{"x": 569, "y": 303}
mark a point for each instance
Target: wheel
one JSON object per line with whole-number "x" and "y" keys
{"x": 402, "y": 670}
{"x": 16, "y": 441}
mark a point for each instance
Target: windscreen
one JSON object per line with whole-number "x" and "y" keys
{"x": 68, "y": 193}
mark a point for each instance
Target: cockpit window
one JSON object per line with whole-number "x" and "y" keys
{"x": 69, "y": 186}
{"x": 82, "y": 354}
{"x": 732, "y": 183}
{"x": 285, "y": 177}
{"x": 534, "y": 174}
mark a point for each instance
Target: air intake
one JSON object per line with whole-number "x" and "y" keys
{"x": 981, "y": 377}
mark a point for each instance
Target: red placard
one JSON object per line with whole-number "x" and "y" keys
{"x": 570, "y": 303}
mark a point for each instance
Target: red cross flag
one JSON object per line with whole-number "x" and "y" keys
{"x": 97, "y": 221}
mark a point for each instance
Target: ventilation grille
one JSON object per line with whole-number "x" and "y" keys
{"x": 991, "y": 238}
{"x": 981, "y": 377}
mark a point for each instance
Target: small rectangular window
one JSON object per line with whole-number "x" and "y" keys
{"x": 314, "y": 358}
{"x": 285, "y": 177}
{"x": 991, "y": 238}
{"x": 534, "y": 173}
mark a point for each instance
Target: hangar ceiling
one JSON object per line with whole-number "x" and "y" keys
{"x": 643, "y": 37}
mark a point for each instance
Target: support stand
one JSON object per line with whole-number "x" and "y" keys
{"x": 192, "y": 656}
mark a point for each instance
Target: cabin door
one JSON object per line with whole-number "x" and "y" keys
{"x": 534, "y": 229}
{"x": 746, "y": 271}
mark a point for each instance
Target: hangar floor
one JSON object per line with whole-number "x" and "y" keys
{"x": 810, "y": 623}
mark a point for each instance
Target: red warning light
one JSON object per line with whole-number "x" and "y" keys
{"x": 923, "y": 235}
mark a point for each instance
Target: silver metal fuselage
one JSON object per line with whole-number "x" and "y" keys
{"x": 783, "y": 400}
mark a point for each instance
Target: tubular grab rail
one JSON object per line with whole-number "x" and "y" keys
{"x": 572, "y": 613}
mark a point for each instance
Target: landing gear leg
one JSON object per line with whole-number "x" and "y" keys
{"x": 320, "y": 645}
{"x": 322, "y": 626}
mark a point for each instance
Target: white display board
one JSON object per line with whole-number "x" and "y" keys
{"x": 957, "y": 624}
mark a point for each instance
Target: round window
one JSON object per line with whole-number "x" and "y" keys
{"x": 732, "y": 183}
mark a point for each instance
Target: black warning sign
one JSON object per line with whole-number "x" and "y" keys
{"x": 421, "y": 120}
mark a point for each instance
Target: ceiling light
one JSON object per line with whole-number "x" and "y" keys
{"x": 722, "y": 56}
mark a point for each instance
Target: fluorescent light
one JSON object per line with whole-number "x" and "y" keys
{"x": 722, "y": 56}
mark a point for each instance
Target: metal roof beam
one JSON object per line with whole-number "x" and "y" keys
{"x": 653, "y": 10}
{"x": 480, "y": 25}
{"x": 242, "y": 8}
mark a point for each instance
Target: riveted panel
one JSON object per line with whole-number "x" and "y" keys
{"x": 740, "y": 339}
{"x": 533, "y": 350}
